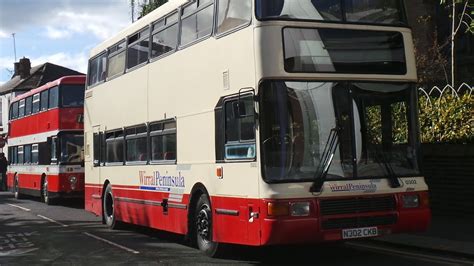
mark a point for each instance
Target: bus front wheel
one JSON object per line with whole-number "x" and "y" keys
{"x": 108, "y": 210}
{"x": 45, "y": 192}
{"x": 203, "y": 227}
{"x": 16, "y": 188}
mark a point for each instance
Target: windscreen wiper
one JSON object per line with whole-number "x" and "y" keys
{"x": 326, "y": 160}
{"x": 393, "y": 180}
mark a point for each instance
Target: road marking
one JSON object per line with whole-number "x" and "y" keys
{"x": 51, "y": 220}
{"x": 425, "y": 257}
{"x": 19, "y": 207}
{"x": 111, "y": 243}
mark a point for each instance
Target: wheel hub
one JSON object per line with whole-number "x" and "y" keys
{"x": 203, "y": 223}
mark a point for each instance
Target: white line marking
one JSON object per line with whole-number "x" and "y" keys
{"x": 53, "y": 221}
{"x": 111, "y": 243}
{"x": 19, "y": 207}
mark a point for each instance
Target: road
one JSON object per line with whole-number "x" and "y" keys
{"x": 34, "y": 233}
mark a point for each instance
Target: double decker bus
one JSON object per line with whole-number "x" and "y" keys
{"x": 45, "y": 141}
{"x": 257, "y": 122}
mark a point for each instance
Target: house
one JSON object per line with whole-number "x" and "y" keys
{"x": 26, "y": 78}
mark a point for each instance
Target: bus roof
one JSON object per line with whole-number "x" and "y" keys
{"x": 79, "y": 79}
{"x": 158, "y": 13}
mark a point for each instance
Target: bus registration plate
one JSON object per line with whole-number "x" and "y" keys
{"x": 359, "y": 232}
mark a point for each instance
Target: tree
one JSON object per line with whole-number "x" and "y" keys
{"x": 462, "y": 17}
{"x": 144, "y": 7}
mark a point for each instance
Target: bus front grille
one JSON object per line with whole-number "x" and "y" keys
{"x": 356, "y": 222}
{"x": 357, "y": 205}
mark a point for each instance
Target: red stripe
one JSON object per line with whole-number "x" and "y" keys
{"x": 233, "y": 226}
{"x": 54, "y": 119}
{"x": 56, "y": 183}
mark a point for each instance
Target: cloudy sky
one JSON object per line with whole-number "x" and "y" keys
{"x": 57, "y": 31}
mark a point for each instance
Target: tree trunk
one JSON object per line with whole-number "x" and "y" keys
{"x": 453, "y": 51}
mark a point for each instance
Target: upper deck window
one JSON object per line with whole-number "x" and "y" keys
{"x": 386, "y": 12}
{"x": 197, "y": 21}
{"x": 138, "y": 48}
{"x": 344, "y": 51}
{"x": 232, "y": 14}
{"x": 97, "y": 68}
{"x": 28, "y": 105}
{"x": 14, "y": 111}
{"x": 53, "y": 97}
{"x": 21, "y": 108}
{"x": 72, "y": 95}
{"x": 116, "y": 60}
{"x": 36, "y": 103}
{"x": 165, "y": 36}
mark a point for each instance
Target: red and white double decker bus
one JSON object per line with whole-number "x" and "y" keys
{"x": 45, "y": 140}
{"x": 257, "y": 122}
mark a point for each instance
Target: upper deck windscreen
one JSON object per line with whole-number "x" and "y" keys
{"x": 384, "y": 12}
{"x": 344, "y": 51}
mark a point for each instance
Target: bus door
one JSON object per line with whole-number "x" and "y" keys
{"x": 93, "y": 162}
{"x": 236, "y": 203}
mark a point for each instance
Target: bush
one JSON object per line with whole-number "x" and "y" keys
{"x": 447, "y": 119}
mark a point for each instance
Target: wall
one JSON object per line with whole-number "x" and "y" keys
{"x": 449, "y": 172}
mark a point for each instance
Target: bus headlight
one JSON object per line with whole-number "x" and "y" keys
{"x": 299, "y": 209}
{"x": 410, "y": 201}
{"x": 73, "y": 182}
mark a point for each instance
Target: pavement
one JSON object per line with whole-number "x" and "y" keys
{"x": 449, "y": 235}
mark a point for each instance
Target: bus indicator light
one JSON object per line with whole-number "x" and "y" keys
{"x": 278, "y": 209}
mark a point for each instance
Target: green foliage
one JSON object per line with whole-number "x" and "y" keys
{"x": 467, "y": 18}
{"x": 150, "y": 6}
{"x": 447, "y": 119}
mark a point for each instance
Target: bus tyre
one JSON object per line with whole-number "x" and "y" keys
{"x": 108, "y": 208}
{"x": 44, "y": 191}
{"x": 16, "y": 188}
{"x": 203, "y": 227}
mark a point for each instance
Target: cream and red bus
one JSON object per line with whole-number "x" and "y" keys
{"x": 45, "y": 141}
{"x": 257, "y": 122}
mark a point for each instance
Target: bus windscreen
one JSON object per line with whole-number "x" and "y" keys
{"x": 309, "y": 50}
{"x": 72, "y": 95}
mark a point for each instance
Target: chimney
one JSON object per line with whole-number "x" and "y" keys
{"x": 17, "y": 69}
{"x": 24, "y": 68}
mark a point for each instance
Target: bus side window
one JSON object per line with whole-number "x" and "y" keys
{"x": 44, "y": 154}
{"x": 14, "y": 111}
{"x": 96, "y": 147}
{"x": 232, "y": 14}
{"x": 239, "y": 124}
{"x": 28, "y": 105}
{"x": 44, "y": 100}
{"x": 36, "y": 103}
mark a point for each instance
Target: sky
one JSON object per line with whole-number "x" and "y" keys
{"x": 61, "y": 32}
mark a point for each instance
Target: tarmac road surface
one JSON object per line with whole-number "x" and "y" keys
{"x": 34, "y": 233}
